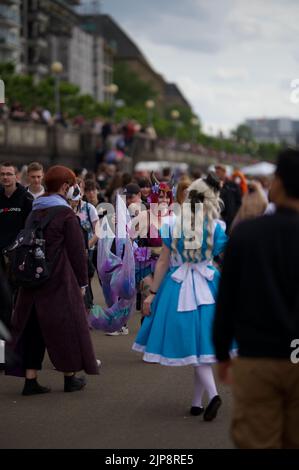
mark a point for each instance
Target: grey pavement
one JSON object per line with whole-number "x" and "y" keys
{"x": 130, "y": 405}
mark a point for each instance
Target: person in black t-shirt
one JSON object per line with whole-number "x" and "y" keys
{"x": 258, "y": 306}
{"x": 15, "y": 206}
{"x": 230, "y": 195}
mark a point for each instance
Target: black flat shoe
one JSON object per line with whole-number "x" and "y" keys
{"x": 34, "y": 389}
{"x": 196, "y": 410}
{"x": 212, "y": 408}
{"x": 74, "y": 384}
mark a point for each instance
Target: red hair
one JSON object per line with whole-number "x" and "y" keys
{"x": 157, "y": 189}
{"x": 56, "y": 176}
{"x": 243, "y": 183}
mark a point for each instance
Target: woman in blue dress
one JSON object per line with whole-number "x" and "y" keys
{"x": 177, "y": 329}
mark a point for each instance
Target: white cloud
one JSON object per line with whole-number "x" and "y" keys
{"x": 231, "y": 73}
{"x": 232, "y": 59}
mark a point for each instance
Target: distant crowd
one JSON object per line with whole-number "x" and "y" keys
{"x": 222, "y": 291}
{"x": 107, "y": 130}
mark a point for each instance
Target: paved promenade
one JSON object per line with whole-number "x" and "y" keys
{"x": 130, "y": 405}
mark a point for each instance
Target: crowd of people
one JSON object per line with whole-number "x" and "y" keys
{"x": 101, "y": 126}
{"x": 215, "y": 273}
{"x": 196, "y": 148}
{"x": 112, "y": 142}
{"x": 37, "y": 114}
{"x": 115, "y": 138}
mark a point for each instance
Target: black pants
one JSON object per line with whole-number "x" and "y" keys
{"x": 34, "y": 345}
{"x": 8, "y": 293}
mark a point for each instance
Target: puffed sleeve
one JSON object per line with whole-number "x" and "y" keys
{"x": 220, "y": 240}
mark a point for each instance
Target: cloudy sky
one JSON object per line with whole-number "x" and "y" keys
{"x": 232, "y": 59}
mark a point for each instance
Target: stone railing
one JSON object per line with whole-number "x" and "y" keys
{"x": 144, "y": 149}
{"x": 24, "y": 142}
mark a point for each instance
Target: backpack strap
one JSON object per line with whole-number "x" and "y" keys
{"x": 88, "y": 214}
{"x": 53, "y": 211}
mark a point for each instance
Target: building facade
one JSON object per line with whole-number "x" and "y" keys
{"x": 10, "y": 32}
{"x": 50, "y": 32}
{"x": 103, "y": 56}
{"x": 280, "y": 130}
{"x": 126, "y": 51}
{"x": 80, "y": 61}
{"x": 103, "y": 60}
{"x": 47, "y": 27}
{"x": 174, "y": 97}
{"x": 36, "y": 33}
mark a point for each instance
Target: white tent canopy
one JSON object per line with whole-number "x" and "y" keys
{"x": 160, "y": 165}
{"x": 259, "y": 169}
{"x": 229, "y": 169}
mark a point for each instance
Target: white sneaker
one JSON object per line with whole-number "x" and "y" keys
{"x": 99, "y": 363}
{"x": 122, "y": 332}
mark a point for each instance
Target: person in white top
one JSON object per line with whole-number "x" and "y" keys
{"x": 35, "y": 175}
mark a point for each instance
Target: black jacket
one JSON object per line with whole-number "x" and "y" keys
{"x": 231, "y": 196}
{"x": 5, "y": 300}
{"x": 14, "y": 211}
{"x": 258, "y": 298}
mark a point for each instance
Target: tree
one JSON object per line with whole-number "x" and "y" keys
{"x": 242, "y": 132}
{"x": 22, "y": 88}
{"x": 17, "y": 87}
{"x": 132, "y": 89}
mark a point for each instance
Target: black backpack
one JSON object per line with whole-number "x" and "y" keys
{"x": 28, "y": 263}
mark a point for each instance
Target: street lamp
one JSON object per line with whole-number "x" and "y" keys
{"x": 175, "y": 115}
{"x": 57, "y": 69}
{"x": 194, "y": 121}
{"x": 112, "y": 90}
{"x": 149, "y": 104}
{"x": 195, "y": 125}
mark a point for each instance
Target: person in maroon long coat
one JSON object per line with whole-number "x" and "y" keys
{"x": 53, "y": 316}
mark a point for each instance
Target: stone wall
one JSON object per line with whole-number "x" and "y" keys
{"x": 23, "y": 142}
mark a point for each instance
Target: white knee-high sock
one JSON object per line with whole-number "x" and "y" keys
{"x": 204, "y": 377}
{"x": 198, "y": 389}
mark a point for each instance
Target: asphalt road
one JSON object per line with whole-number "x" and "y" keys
{"x": 130, "y": 405}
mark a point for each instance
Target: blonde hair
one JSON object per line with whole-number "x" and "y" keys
{"x": 253, "y": 204}
{"x": 202, "y": 204}
{"x": 35, "y": 166}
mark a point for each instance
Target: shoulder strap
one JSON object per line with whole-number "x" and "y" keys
{"x": 88, "y": 214}
{"x": 51, "y": 214}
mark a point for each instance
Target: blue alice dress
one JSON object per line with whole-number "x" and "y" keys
{"x": 179, "y": 330}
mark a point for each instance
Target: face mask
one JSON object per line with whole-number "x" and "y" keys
{"x": 74, "y": 193}
{"x": 69, "y": 192}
